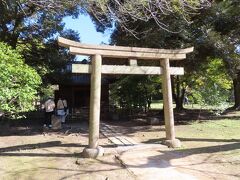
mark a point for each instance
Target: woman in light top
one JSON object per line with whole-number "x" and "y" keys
{"x": 62, "y": 109}
{"x": 48, "y": 106}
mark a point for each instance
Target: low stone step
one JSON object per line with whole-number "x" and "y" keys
{"x": 116, "y": 137}
{"x": 115, "y": 141}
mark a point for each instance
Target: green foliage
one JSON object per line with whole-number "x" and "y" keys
{"x": 18, "y": 82}
{"x": 212, "y": 85}
{"x": 214, "y": 33}
{"x": 46, "y": 92}
{"x": 133, "y": 92}
{"x": 31, "y": 28}
{"x": 28, "y": 20}
{"x": 124, "y": 13}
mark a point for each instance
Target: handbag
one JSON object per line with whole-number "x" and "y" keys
{"x": 61, "y": 112}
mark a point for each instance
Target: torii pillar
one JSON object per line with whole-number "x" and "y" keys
{"x": 94, "y": 150}
{"x": 170, "y": 141}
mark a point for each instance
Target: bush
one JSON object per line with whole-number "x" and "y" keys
{"x": 18, "y": 82}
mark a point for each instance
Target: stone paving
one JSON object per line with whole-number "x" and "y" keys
{"x": 116, "y": 138}
{"x": 145, "y": 161}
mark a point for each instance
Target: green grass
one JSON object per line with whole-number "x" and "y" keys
{"x": 218, "y": 139}
{"x": 158, "y": 104}
{"x": 213, "y": 129}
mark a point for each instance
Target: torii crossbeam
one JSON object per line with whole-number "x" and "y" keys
{"x": 96, "y": 69}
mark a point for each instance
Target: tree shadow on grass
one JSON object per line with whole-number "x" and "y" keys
{"x": 30, "y": 130}
{"x": 218, "y": 148}
{"x": 6, "y": 151}
{"x": 203, "y": 165}
{"x": 184, "y": 117}
{"x": 163, "y": 160}
{"x": 73, "y": 172}
{"x": 159, "y": 140}
{"x": 209, "y": 149}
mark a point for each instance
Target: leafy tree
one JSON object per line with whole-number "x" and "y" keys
{"x": 228, "y": 25}
{"x": 135, "y": 92}
{"x": 220, "y": 38}
{"x": 124, "y": 13}
{"x": 31, "y": 27}
{"x": 214, "y": 33}
{"x": 212, "y": 86}
{"x": 48, "y": 58}
{"x": 24, "y": 21}
{"x": 18, "y": 82}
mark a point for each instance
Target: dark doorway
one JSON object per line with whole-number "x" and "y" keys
{"x": 82, "y": 98}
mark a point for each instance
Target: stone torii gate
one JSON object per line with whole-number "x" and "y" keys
{"x": 96, "y": 69}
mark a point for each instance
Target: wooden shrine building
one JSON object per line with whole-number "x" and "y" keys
{"x": 132, "y": 54}
{"x": 75, "y": 88}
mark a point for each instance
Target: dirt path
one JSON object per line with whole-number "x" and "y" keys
{"x": 211, "y": 150}
{"x": 55, "y": 156}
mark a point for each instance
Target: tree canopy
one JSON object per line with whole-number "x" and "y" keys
{"x": 30, "y": 27}
{"x": 104, "y": 12}
{"x": 19, "y": 83}
{"x": 124, "y": 13}
{"x": 214, "y": 33}
{"x": 23, "y": 21}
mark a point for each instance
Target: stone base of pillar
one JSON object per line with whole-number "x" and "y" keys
{"x": 174, "y": 143}
{"x": 93, "y": 152}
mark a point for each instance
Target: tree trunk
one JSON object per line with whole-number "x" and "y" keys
{"x": 149, "y": 102}
{"x": 236, "y": 86}
{"x": 178, "y": 93}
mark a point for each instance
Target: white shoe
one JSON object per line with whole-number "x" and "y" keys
{"x": 50, "y": 126}
{"x": 44, "y": 125}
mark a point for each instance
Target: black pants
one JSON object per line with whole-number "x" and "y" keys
{"x": 48, "y": 118}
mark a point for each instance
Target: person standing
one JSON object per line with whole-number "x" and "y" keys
{"x": 65, "y": 108}
{"x": 61, "y": 109}
{"x": 49, "y": 106}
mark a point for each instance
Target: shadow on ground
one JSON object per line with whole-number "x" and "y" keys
{"x": 158, "y": 140}
{"x": 6, "y": 151}
{"x": 204, "y": 162}
{"x": 36, "y": 129}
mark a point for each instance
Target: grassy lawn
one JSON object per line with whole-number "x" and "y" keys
{"x": 158, "y": 104}
{"x": 212, "y": 131}
{"x": 210, "y": 148}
